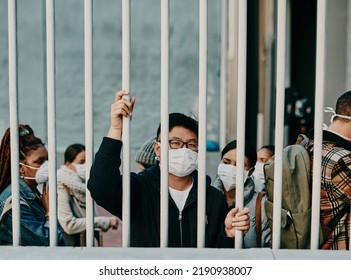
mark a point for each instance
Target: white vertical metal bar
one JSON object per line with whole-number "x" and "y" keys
{"x": 279, "y": 122}
{"x": 223, "y": 81}
{"x": 318, "y": 122}
{"x": 89, "y": 141}
{"x": 164, "y": 121}
{"x": 126, "y": 123}
{"x": 241, "y": 111}
{"x": 288, "y": 45}
{"x": 260, "y": 130}
{"x": 50, "y": 63}
{"x": 13, "y": 100}
{"x": 348, "y": 54}
{"x": 232, "y": 28}
{"x": 201, "y": 206}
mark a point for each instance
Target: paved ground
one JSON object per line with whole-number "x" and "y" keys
{"x": 112, "y": 238}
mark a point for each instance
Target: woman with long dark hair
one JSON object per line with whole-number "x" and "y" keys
{"x": 34, "y": 206}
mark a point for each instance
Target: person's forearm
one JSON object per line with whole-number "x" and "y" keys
{"x": 114, "y": 133}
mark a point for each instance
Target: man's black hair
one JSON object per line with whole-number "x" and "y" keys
{"x": 343, "y": 104}
{"x": 180, "y": 119}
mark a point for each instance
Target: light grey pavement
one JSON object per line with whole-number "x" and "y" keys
{"x": 99, "y": 253}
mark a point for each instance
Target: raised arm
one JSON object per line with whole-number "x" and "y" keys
{"x": 105, "y": 181}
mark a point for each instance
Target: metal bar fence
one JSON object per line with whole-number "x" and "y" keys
{"x": 279, "y": 122}
{"x": 241, "y": 91}
{"x": 51, "y": 109}
{"x": 164, "y": 120}
{"x": 240, "y": 151}
{"x": 318, "y": 123}
{"x": 202, "y": 123}
{"x": 13, "y": 99}
{"x": 126, "y": 121}
{"x": 89, "y": 123}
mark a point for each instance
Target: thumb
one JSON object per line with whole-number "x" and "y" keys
{"x": 121, "y": 94}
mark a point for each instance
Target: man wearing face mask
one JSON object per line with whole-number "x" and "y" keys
{"x": 259, "y": 232}
{"x": 105, "y": 185}
{"x": 335, "y": 193}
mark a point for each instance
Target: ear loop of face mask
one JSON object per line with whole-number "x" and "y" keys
{"x": 331, "y": 110}
{"x": 31, "y": 167}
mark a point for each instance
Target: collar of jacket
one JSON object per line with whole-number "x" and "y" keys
{"x": 26, "y": 191}
{"x": 249, "y": 189}
{"x": 332, "y": 137}
{"x": 155, "y": 173}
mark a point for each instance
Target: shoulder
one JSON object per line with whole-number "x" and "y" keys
{"x": 214, "y": 194}
{"x": 61, "y": 171}
{"x": 6, "y": 193}
{"x": 335, "y": 155}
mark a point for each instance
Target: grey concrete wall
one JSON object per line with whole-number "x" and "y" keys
{"x": 337, "y": 52}
{"x": 145, "y": 66}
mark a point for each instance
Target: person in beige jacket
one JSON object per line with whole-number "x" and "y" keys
{"x": 72, "y": 198}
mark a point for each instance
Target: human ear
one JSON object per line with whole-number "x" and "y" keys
{"x": 21, "y": 170}
{"x": 157, "y": 149}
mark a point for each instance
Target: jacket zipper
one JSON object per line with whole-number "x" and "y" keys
{"x": 180, "y": 228}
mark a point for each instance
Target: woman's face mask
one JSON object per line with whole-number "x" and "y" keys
{"x": 42, "y": 172}
{"x": 227, "y": 174}
{"x": 80, "y": 169}
{"x": 182, "y": 162}
{"x": 258, "y": 174}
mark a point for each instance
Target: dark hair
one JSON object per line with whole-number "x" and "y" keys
{"x": 72, "y": 151}
{"x": 343, "y": 105}
{"x": 27, "y": 143}
{"x": 270, "y": 148}
{"x": 250, "y": 151}
{"x": 179, "y": 119}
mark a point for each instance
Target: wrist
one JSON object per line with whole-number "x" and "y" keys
{"x": 47, "y": 216}
{"x": 115, "y": 133}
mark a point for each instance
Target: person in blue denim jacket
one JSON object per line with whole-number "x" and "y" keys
{"x": 34, "y": 206}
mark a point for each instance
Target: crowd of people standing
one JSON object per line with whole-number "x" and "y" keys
{"x": 223, "y": 218}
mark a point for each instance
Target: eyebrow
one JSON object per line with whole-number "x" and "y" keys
{"x": 40, "y": 159}
{"x": 177, "y": 138}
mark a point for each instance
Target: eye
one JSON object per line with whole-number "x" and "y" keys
{"x": 176, "y": 143}
{"x": 192, "y": 145}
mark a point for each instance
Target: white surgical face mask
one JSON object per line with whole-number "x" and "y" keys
{"x": 227, "y": 174}
{"x": 42, "y": 175}
{"x": 80, "y": 170}
{"x": 258, "y": 173}
{"x": 182, "y": 162}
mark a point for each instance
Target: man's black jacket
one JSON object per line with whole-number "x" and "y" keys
{"x": 105, "y": 185}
